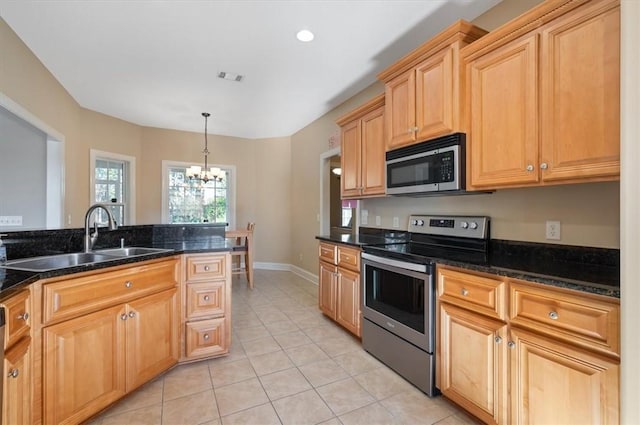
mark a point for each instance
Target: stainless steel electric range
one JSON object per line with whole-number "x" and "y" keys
{"x": 399, "y": 293}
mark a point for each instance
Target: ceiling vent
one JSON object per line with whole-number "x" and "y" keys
{"x": 230, "y": 76}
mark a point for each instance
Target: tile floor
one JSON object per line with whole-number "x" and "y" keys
{"x": 288, "y": 364}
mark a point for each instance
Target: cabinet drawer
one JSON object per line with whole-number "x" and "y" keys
{"x": 17, "y": 317}
{"x": 72, "y": 297}
{"x": 328, "y": 252}
{"x": 349, "y": 258}
{"x": 206, "y": 338}
{"x": 474, "y": 292}
{"x": 585, "y": 320}
{"x": 205, "y": 267}
{"x": 205, "y": 299}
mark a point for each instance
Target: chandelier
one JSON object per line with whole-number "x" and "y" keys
{"x": 195, "y": 172}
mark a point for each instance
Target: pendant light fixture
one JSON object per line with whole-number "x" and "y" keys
{"x": 195, "y": 172}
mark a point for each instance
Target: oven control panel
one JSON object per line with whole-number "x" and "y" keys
{"x": 460, "y": 226}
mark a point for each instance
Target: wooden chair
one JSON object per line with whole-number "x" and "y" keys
{"x": 244, "y": 242}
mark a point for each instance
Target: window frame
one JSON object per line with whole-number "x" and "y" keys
{"x": 231, "y": 188}
{"x": 129, "y": 180}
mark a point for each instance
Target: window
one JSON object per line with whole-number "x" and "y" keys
{"x": 113, "y": 185}
{"x": 189, "y": 201}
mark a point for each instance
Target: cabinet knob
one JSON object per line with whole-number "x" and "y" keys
{"x": 206, "y": 298}
{"x": 128, "y": 284}
{"x": 544, "y": 166}
{"x": 530, "y": 167}
{"x": 498, "y": 340}
{"x": 553, "y": 315}
{"x": 464, "y": 292}
{"x": 205, "y": 337}
{"x": 132, "y": 314}
{"x": 123, "y": 316}
{"x": 24, "y": 316}
{"x": 511, "y": 344}
{"x": 13, "y": 373}
{"x": 206, "y": 268}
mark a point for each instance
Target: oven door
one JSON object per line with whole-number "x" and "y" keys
{"x": 399, "y": 297}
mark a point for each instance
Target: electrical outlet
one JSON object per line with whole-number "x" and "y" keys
{"x": 11, "y": 220}
{"x": 364, "y": 217}
{"x": 553, "y": 230}
{"x": 300, "y": 256}
{"x": 396, "y": 222}
{"x": 378, "y": 220}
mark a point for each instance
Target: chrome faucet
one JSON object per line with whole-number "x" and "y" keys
{"x": 90, "y": 240}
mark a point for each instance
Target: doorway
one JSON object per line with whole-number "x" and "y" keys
{"x": 336, "y": 215}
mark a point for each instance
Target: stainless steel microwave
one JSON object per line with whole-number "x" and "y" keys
{"x": 436, "y": 165}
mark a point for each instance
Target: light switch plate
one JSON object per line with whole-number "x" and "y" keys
{"x": 378, "y": 220}
{"x": 396, "y": 222}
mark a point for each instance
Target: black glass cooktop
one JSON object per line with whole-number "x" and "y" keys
{"x": 428, "y": 254}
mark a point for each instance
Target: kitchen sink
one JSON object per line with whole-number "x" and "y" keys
{"x": 61, "y": 261}
{"x": 131, "y": 251}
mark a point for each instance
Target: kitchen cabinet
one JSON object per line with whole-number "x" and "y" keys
{"x": 206, "y": 319}
{"x": 531, "y": 89}
{"x": 422, "y": 90}
{"x": 100, "y": 344}
{"x": 362, "y": 152}
{"x": 518, "y": 352}
{"x": 339, "y": 285}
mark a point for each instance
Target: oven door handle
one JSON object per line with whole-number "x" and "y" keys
{"x": 420, "y": 268}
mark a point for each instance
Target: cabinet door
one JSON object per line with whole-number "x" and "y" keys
{"x": 580, "y": 54}
{"x": 16, "y": 403}
{"x": 552, "y": 383}
{"x": 152, "y": 337}
{"x": 84, "y": 364}
{"x": 327, "y": 289}
{"x": 400, "y": 110}
{"x": 350, "y": 154}
{"x": 435, "y": 97}
{"x": 373, "y": 153}
{"x": 348, "y": 298}
{"x": 502, "y": 97}
{"x": 473, "y": 362}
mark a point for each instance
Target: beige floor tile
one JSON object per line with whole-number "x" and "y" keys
{"x": 459, "y": 418}
{"x": 272, "y": 316}
{"x": 292, "y": 339}
{"x": 262, "y": 415}
{"x": 373, "y": 414}
{"x": 229, "y": 373}
{"x": 186, "y": 379}
{"x": 358, "y": 361}
{"x": 306, "y": 354}
{"x": 151, "y": 415}
{"x": 414, "y": 407}
{"x": 254, "y": 332}
{"x": 303, "y": 408}
{"x": 281, "y": 327}
{"x": 213, "y": 422}
{"x": 190, "y": 410}
{"x": 270, "y": 362}
{"x": 320, "y": 333}
{"x": 345, "y": 396}
{"x": 265, "y": 345}
{"x": 382, "y": 383}
{"x": 147, "y": 395}
{"x": 240, "y": 396}
{"x": 337, "y": 346}
{"x": 323, "y": 372}
{"x": 332, "y": 421}
{"x": 245, "y": 321}
{"x": 284, "y": 383}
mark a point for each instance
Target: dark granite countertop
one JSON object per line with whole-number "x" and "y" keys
{"x": 586, "y": 269}
{"x": 13, "y": 280}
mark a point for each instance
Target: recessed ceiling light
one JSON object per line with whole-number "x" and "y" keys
{"x": 230, "y": 76}
{"x": 304, "y": 36}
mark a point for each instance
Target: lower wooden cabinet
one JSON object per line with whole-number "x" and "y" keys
{"x": 348, "y": 300}
{"x": 16, "y": 401}
{"x": 206, "y": 338}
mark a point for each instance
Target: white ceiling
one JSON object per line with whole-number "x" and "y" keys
{"x": 155, "y": 63}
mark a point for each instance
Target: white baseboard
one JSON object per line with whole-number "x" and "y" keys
{"x": 287, "y": 267}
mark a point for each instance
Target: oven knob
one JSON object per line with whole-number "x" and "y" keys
{"x": 464, "y": 224}
{"x": 420, "y": 222}
{"x": 473, "y": 225}
{"x": 414, "y": 222}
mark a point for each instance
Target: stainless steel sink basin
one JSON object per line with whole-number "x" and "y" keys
{"x": 61, "y": 261}
{"x": 132, "y": 251}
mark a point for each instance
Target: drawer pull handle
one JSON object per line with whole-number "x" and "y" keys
{"x": 13, "y": 373}
{"x": 498, "y": 340}
{"x": 464, "y": 292}
{"x": 24, "y": 316}
{"x": 511, "y": 344}
{"x": 553, "y": 315}
{"x": 206, "y": 297}
{"x": 123, "y": 316}
{"x": 205, "y": 337}
{"x": 128, "y": 284}
{"x": 206, "y": 268}
{"x": 132, "y": 314}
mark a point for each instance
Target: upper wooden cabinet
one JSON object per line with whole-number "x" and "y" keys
{"x": 422, "y": 90}
{"x": 362, "y": 153}
{"x": 542, "y": 97}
